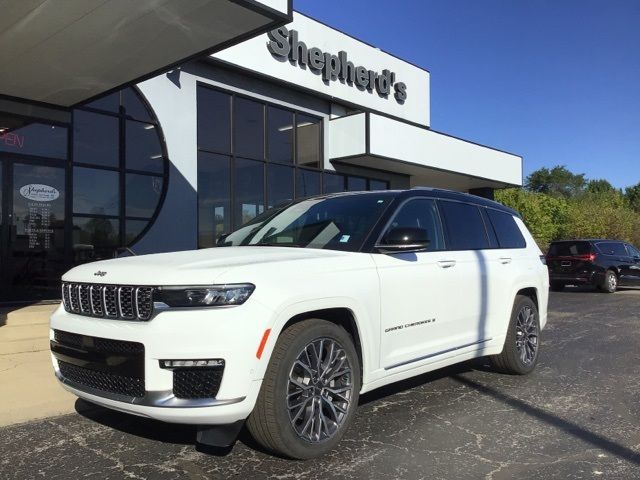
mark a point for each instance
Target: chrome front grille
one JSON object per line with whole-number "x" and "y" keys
{"x": 122, "y": 302}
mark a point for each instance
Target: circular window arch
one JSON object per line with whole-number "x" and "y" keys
{"x": 120, "y": 174}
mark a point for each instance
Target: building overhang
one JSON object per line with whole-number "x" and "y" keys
{"x": 66, "y": 52}
{"x": 428, "y": 157}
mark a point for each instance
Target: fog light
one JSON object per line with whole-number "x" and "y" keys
{"x": 216, "y": 362}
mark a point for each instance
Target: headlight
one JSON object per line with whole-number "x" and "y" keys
{"x": 203, "y": 296}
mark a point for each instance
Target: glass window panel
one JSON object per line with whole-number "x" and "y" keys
{"x": 248, "y": 128}
{"x": 214, "y": 120}
{"x": 95, "y": 139}
{"x": 308, "y": 183}
{"x": 110, "y": 103}
{"x": 280, "y": 135}
{"x": 134, "y": 106}
{"x": 143, "y": 150}
{"x": 356, "y": 184}
{"x": 465, "y": 226}
{"x": 308, "y": 137}
{"x": 95, "y": 191}
{"x": 94, "y": 238}
{"x": 378, "y": 185}
{"x": 333, "y": 183}
{"x": 133, "y": 228}
{"x": 279, "y": 184}
{"x": 508, "y": 233}
{"x": 142, "y": 194}
{"x": 214, "y": 206}
{"x": 249, "y": 190}
{"x": 32, "y": 138}
{"x": 420, "y": 214}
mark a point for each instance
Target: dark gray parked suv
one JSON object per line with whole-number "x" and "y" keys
{"x": 606, "y": 264}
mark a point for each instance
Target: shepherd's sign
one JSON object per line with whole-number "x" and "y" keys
{"x": 284, "y": 43}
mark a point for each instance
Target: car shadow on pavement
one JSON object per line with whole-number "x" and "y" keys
{"x": 566, "y": 426}
{"x": 138, "y": 426}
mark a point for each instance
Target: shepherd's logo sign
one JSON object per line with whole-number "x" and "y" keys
{"x": 285, "y": 44}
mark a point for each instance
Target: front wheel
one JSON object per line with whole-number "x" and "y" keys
{"x": 309, "y": 393}
{"x": 521, "y": 347}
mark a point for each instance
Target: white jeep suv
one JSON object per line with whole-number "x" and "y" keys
{"x": 294, "y": 315}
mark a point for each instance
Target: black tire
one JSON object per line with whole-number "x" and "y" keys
{"x": 557, "y": 286}
{"x": 609, "y": 282}
{"x": 270, "y": 423}
{"x": 511, "y": 359}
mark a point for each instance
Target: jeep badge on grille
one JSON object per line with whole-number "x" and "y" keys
{"x": 100, "y": 273}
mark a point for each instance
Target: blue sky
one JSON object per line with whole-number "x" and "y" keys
{"x": 555, "y": 81}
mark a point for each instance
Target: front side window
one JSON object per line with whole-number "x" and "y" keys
{"x": 633, "y": 251}
{"x": 334, "y": 223}
{"x": 423, "y": 214}
{"x": 464, "y": 225}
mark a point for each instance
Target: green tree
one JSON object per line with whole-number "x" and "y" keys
{"x": 632, "y": 194}
{"x": 544, "y": 215}
{"x": 600, "y": 186}
{"x": 557, "y": 182}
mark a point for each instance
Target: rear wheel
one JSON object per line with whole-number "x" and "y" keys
{"x": 610, "y": 282}
{"x": 521, "y": 347}
{"x": 557, "y": 286}
{"x": 309, "y": 393}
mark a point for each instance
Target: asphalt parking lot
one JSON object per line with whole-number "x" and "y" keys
{"x": 576, "y": 416}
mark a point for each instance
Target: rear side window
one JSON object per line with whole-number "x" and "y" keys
{"x": 464, "y": 226}
{"x": 612, "y": 248}
{"x": 507, "y": 231}
{"x": 569, "y": 249}
{"x": 421, "y": 213}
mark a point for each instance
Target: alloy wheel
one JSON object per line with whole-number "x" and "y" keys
{"x": 320, "y": 389}
{"x": 527, "y": 335}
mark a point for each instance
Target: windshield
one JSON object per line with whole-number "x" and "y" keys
{"x": 334, "y": 223}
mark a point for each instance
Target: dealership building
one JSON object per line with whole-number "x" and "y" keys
{"x": 159, "y": 126}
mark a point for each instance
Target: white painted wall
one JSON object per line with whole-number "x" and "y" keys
{"x": 393, "y": 139}
{"x": 253, "y": 55}
{"x": 280, "y": 5}
{"x": 347, "y": 136}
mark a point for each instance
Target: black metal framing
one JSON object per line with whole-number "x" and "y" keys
{"x": 265, "y": 149}
{"x": 122, "y": 169}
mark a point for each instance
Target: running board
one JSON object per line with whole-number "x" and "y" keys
{"x": 449, "y": 350}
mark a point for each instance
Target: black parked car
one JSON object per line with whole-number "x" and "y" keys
{"x": 606, "y": 264}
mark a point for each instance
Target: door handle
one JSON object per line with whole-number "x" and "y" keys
{"x": 446, "y": 263}
{"x": 505, "y": 260}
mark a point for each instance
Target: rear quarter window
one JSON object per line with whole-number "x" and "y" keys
{"x": 507, "y": 231}
{"x": 464, "y": 226}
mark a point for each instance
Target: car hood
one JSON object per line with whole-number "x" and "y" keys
{"x": 194, "y": 267}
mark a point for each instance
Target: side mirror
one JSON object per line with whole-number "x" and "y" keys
{"x": 404, "y": 239}
{"x": 221, "y": 240}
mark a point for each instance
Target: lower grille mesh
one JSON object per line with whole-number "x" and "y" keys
{"x": 107, "y": 382}
{"x": 197, "y": 382}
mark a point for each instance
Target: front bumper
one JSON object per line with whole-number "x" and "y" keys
{"x": 232, "y": 334}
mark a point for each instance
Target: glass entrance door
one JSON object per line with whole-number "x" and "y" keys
{"x": 32, "y": 229}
